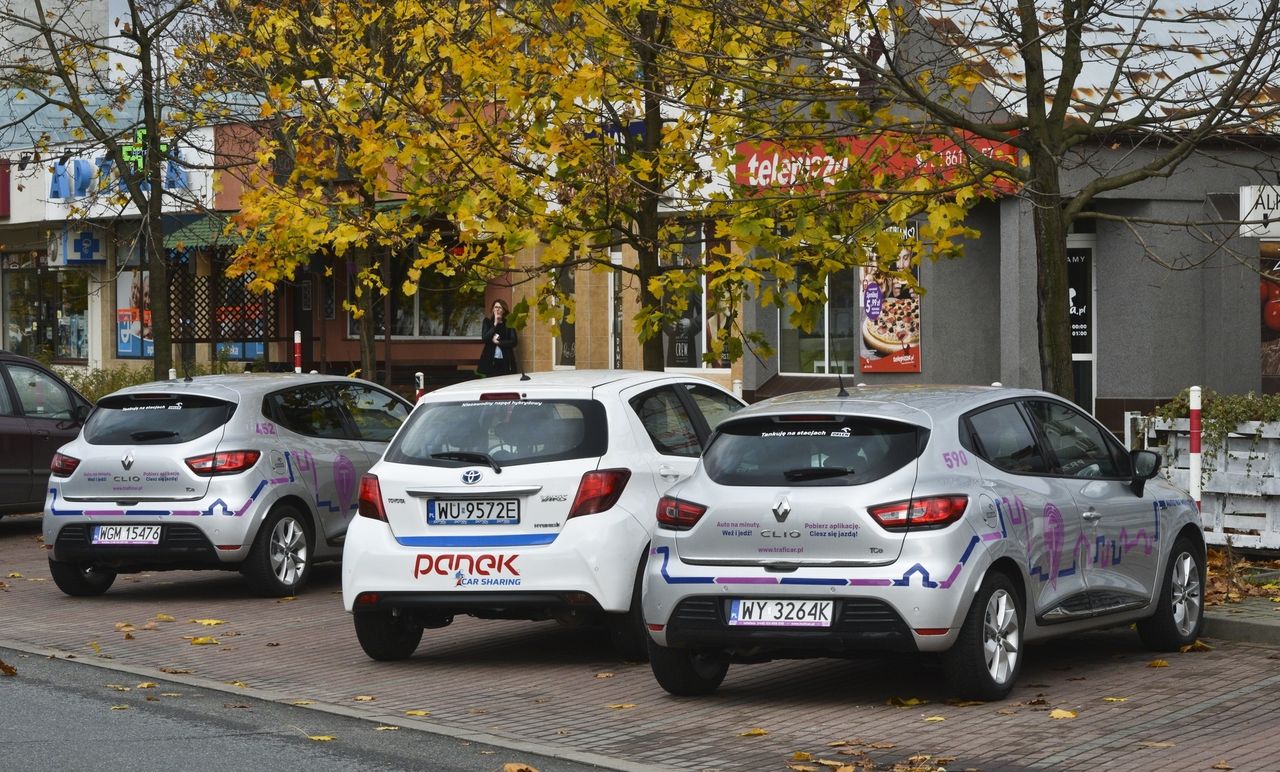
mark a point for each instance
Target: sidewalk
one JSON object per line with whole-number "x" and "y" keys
{"x": 1253, "y": 620}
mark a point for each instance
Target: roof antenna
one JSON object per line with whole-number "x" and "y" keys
{"x": 524, "y": 376}
{"x": 842, "y": 392}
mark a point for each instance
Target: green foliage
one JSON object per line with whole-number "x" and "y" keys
{"x": 1221, "y": 415}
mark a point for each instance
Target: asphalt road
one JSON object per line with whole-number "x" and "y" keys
{"x": 61, "y": 715}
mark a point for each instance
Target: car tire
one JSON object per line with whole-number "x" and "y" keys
{"x": 687, "y": 672}
{"x": 385, "y": 636}
{"x": 1180, "y": 610}
{"x": 984, "y": 661}
{"x": 627, "y": 631}
{"x": 80, "y": 580}
{"x": 279, "y": 563}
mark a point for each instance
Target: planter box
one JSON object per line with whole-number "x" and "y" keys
{"x": 1240, "y": 483}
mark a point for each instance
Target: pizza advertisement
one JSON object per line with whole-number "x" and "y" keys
{"x": 890, "y": 324}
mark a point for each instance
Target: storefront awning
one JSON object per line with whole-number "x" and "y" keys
{"x": 205, "y": 231}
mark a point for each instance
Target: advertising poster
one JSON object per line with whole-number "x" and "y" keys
{"x": 890, "y": 323}
{"x": 133, "y": 315}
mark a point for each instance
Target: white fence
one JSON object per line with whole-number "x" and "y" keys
{"x": 1240, "y": 483}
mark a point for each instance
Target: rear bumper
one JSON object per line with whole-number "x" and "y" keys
{"x": 858, "y": 624}
{"x": 181, "y": 546}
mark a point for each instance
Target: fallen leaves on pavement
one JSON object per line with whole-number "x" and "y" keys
{"x": 516, "y": 766}
{"x": 364, "y": 698}
{"x": 756, "y": 732}
{"x": 1060, "y": 713}
{"x": 204, "y": 640}
{"x": 209, "y": 622}
{"x": 1199, "y": 645}
{"x": 417, "y": 712}
{"x": 1157, "y": 663}
{"x": 7, "y": 669}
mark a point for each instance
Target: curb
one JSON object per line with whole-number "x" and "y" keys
{"x": 371, "y": 715}
{"x": 1251, "y": 621}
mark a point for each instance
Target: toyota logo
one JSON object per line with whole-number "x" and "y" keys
{"x": 127, "y": 460}
{"x": 782, "y": 509}
{"x": 471, "y": 477}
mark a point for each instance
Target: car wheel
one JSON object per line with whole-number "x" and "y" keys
{"x": 280, "y": 561}
{"x": 80, "y": 579}
{"x": 687, "y": 672}
{"x": 985, "y": 660}
{"x": 1180, "y": 611}
{"x": 386, "y": 636}
{"x": 626, "y": 630}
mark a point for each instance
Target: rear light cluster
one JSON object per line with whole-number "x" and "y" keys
{"x": 223, "y": 462}
{"x": 63, "y": 466}
{"x": 371, "y": 499}
{"x": 599, "y": 491}
{"x": 678, "y": 514}
{"x": 919, "y": 514}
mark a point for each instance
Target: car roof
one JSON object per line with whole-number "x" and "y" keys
{"x": 584, "y": 380}
{"x": 235, "y": 385}
{"x": 919, "y": 404}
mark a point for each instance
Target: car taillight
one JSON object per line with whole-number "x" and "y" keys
{"x": 371, "y": 498}
{"x": 678, "y": 514}
{"x": 932, "y": 512}
{"x": 63, "y": 466}
{"x": 599, "y": 491}
{"x": 223, "y": 462}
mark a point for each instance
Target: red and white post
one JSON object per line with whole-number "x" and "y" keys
{"x": 421, "y": 381}
{"x": 297, "y": 351}
{"x": 1193, "y": 485}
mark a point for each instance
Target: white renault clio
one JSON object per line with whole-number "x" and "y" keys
{"x": 522, "y": 497}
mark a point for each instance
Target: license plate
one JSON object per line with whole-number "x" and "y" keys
{"x": 780, "y": 613}
{"x": 473, "y": 511}
{"x": 126, "y": 534}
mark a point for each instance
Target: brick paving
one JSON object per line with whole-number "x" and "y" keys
{"x": 540, "y": 685}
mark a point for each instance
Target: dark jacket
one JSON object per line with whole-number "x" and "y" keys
{"x": 490, "y": 364}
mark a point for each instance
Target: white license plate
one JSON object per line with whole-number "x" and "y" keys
{"x": 126, "y": 534}
{"x": 473, "y": 511}
{"x": 780, "y": 613}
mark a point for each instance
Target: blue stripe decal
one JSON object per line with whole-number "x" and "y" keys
{"x": 517, "y": 540}
{"x": 666, "y": 554}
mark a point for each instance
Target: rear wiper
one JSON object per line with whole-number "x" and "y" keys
{"x": 151, "y": 434}
{"x": 473, "y": 456}
{"x": 817, "y": 472}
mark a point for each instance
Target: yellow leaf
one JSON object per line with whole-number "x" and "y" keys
{"x": 882, "y": 745}
{"x": 385, "y": 728}
{"x": 1157, "y": 663}
{"x": 1060, "y": 713}
{"x": 239, "y": 684}
{"x": 96, "y": 648}
{"x": 286, "y": 599}
{"x": 165, "y": 618}
{"x": 208, "y": 622}
{"x": 15, "y": 575}
{"x": 604, "y": 675}
{"x": 757, "y": 732}
{"x": 1222, "y": 765}
{"x": 1114, "y": 699}
{"x": 147, "y": 685}
{"x": 321, "y": 738}
{"x": 118, "y": 687}
{"x": 801, "y": 756}
{"x": 907, "y": 702}
{"x": 119, "y": 707}
{"x": 934, "y": 719}
{"x": 304, "y": 702}
{"x": 516, "y": 766}
{"x": 204, "y": 640}
{"x": 417, "y": 712}
{"x": 1199, "y": 645}
{"x": 621, "y": 706}
{"x": 363, "y": 698}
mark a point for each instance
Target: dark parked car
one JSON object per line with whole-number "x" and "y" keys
{"x": 39, "y": 413}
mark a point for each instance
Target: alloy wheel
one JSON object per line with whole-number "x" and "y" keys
{"x": 1187, "y": 599}
{"x": 288, "y": 551}
{"x": 1001, "y": 637}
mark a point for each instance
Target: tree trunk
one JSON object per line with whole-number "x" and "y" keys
{"x": 648, "y": 222}
{"x": 152, "y": 209}
{"x": 364, "y": 326}
{"x": 1053, "y": 319}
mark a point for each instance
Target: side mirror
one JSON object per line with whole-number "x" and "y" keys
{"x": 1146, "y": 464}
{"x": 81, "y": 413}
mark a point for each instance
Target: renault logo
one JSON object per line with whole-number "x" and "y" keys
{"x": 471, "y": 476}
{"x": 127, "y": 460}
{"x": 782, "y": 509}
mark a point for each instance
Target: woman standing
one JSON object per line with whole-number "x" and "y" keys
{"x": 499, "y": 354}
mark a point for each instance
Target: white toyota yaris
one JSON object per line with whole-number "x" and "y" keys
{"x": 522, "y": 497}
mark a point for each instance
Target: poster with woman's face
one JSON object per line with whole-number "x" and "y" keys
{"x": 890, "y": 322}
{"x": 133, "y": 315}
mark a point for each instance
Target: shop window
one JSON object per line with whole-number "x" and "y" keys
{"x": 565, "y": 344}
{"x": 443, "y": 306}
{"x": 45, "y": 310}
{"x": 685, "y": 341}
{"x": 831, "y": 346}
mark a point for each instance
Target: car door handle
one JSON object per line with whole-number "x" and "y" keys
{"x": 1091, "y": 515}
{"x": 668, "y": 472}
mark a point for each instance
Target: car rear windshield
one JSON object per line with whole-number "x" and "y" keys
{"x": 155, "y": 419}
{"x": 524, "y": 431}
{"x": 810, "y": 450}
